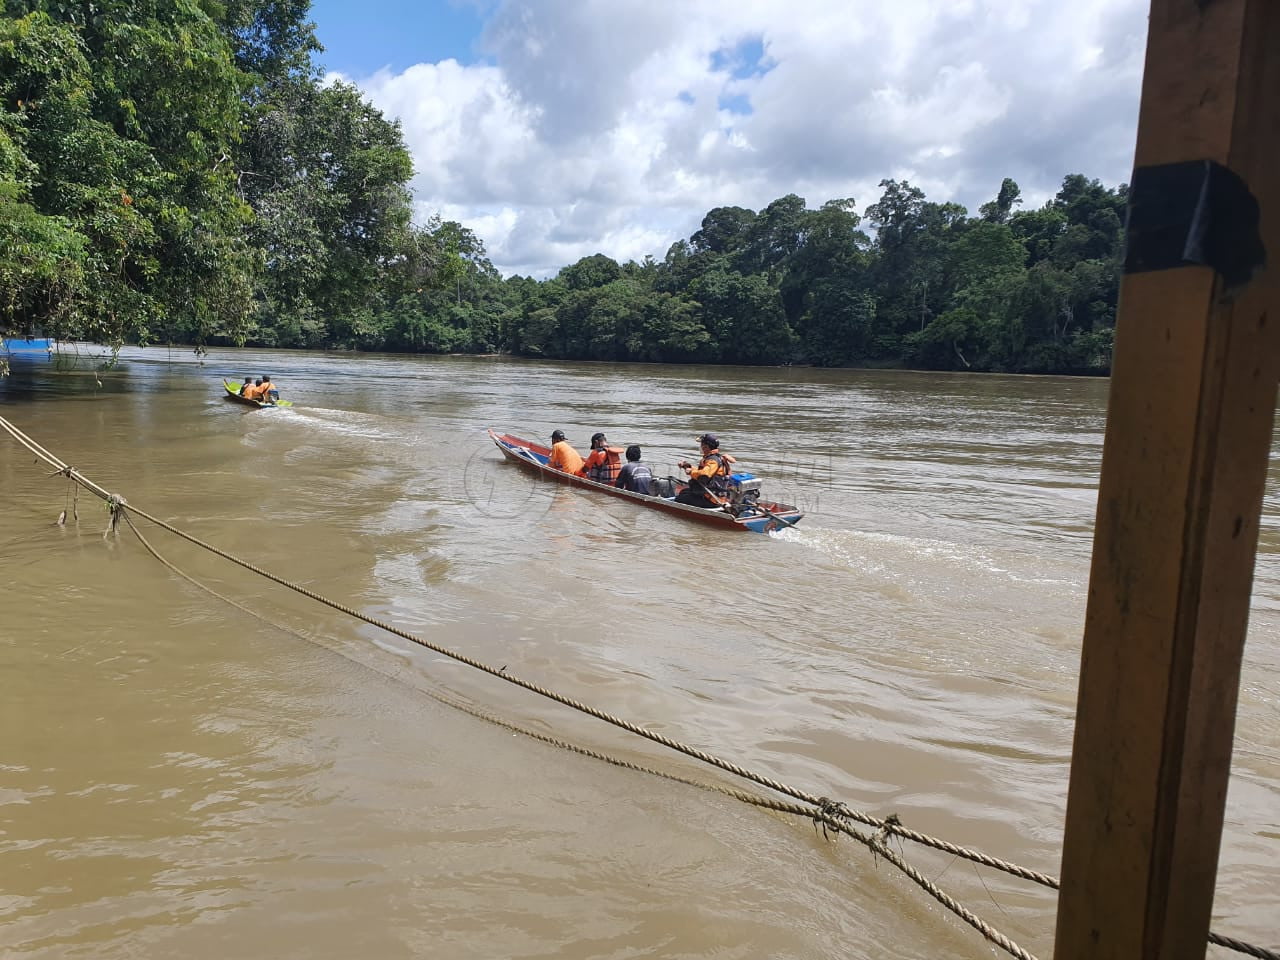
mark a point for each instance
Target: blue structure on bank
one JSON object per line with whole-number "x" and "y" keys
{"x": 31, "y": 348}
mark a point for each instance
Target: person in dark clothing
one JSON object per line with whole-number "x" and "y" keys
{"x": 634, "y": 476}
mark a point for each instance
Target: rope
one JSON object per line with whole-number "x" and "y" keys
{"x": 829, "y": 815}
{"x": 117, "y": 505}
{"x": 822, "y": 803}
{"x": 1262, "y": 953}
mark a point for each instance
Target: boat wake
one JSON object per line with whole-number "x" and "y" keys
{"x": 366, "y": 426}
{"x": 887, "y": 554}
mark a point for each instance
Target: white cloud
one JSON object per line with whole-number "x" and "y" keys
{"x": 613, "y": 127}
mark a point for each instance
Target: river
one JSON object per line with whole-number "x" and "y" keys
{"x": 179, "y": 778}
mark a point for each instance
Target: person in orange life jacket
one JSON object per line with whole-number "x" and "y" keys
{"x": 634, "y": 475}
{"x": 268, "y": 392}
{"x": 603, "y": 463}
{"x": 709, "y": 480}
{"x": 246, "y": 386}
{"x": 563, "y": 457}
{"x": 255, "y": 392}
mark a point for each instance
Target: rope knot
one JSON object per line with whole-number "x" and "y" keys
{"x": 886, "y": 829}
{"x": 830, "y": 813}
{"x": 115, "y": 506}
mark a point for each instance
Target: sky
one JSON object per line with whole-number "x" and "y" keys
{"x": 557, "y": 129}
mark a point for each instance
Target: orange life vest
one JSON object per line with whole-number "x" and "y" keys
{"x": 714, "y": 482}
{"x": 602, "y": 465}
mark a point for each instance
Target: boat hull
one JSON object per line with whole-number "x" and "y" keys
{"x": 533, "y": 458}
{"x": 233, "y": 394}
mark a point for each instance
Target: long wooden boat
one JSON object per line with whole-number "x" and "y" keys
{"x": 233, "y": 394}
{"x": 760, "y": 516}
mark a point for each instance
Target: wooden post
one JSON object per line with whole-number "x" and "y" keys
{"x": 1193, "y": 394}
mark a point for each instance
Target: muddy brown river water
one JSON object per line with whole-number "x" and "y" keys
{"x": 181, "y": 779}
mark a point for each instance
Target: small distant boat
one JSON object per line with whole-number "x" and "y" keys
{"x": 749, "y": 513}
{"x": 233, "y": 394}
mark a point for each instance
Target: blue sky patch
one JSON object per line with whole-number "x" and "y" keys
{"x": 361, "y": 38}
{"x": 744, "y": 59}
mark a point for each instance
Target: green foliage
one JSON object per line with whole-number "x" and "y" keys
{"x": 743, "y": 317}
{"x": 593, "y": 271}
{"x": 125, "y": 116}
{"x": 724, "y": 230}
{"x": 324, "y": 174}
{"x": 272, "y": 40}
{"x": 999, "y": 209}
{"x": 1031, "y": 291}
{"x": 176, "y": 169}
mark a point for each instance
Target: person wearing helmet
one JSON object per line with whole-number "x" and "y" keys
{"x": 708, "y": 481}
{"x": 603, "y": 463}
{"x": 563, "y": 456}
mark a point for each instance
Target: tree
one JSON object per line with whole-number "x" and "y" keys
{"x": 743, "y": 315}
{"x": 672, "y": 330}
{"x": 724, "y": 230}
{"x": 132, "y": 155}
{"x": 912, "y": 239}
{"x": 896, "y": 215}
{"x": 833, "y": 256}
{"x": 1095, "y": 208}
{"x": 942, "y": 345}
{"x": 773, "y": 236}
{"x": 271, "y": 40}
{"x": 998, "y": 210}
{"x": 592, "y": 271}
{"x": 1038, "y": 231}
{"x": 839, "y": 322}
{"x": 325, "y": 175}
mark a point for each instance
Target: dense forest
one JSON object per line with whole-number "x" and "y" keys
{"x": 177, "y": 171}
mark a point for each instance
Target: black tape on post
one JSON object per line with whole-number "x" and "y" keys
{"x": 1198, "y": 212}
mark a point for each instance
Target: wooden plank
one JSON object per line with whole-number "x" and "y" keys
{"x": 1184, "y": 465}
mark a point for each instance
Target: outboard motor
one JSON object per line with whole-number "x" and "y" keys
{"x": 743, "y": 493}
{"x": 662, "y": 487}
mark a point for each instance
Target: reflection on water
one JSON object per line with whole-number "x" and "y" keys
{"x": 180, "y": 779}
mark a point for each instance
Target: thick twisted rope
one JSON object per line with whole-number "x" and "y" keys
{"x": 813, "y": 800}
{"x": 831, "y": 816}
